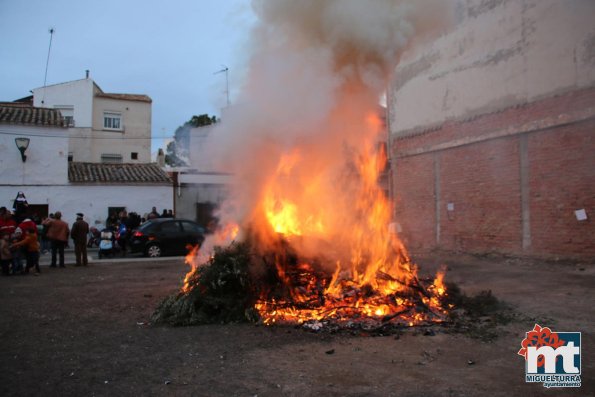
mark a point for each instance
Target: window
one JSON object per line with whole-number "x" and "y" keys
{"x": 111, "y": 158}
{"x": 69, "y": 121}
{"x": 134, "y": 156}
{"x": 112, "y": 121}
{"x": 67, "y": 112}
{"x": 192, "y": 227}
{"x": 70, "y": 156}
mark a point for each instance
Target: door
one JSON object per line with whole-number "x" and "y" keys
{"x": 37, "y": 212}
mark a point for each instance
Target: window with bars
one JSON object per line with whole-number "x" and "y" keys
{"x": 111, "y": 158}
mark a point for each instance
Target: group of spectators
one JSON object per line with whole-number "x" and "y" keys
{"x": 123, "y": 223}
{"x": 24, "y": 238}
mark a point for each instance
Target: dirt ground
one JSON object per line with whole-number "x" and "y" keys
{"x": 86, "y": 331}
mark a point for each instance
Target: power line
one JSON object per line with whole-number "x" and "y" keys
{"x": 4, "y": 132}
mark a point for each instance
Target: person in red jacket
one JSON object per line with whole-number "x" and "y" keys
{"x": 27, "y": 223}
{"x": 7, "y": 222}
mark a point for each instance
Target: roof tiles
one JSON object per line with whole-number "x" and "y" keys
{"x": 121, "y": 173}
{"x": 29, "y": 115}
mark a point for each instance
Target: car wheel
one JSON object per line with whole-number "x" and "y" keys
{"x": 153, "y": 251}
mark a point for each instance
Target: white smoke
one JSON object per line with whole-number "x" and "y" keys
{"x": 317, "y": 67}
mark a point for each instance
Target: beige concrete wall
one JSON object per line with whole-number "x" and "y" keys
{"x": 499, "y": 54}
{"x": 135, "y": 134}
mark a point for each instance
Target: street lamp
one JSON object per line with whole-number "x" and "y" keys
{"x": 22, "y": 145}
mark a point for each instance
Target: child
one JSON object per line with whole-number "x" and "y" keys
{"x": 31, "y": 245}
{"x": 17, "y": 253}
{"x": 5, "y": 254}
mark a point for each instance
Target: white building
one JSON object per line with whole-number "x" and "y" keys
{"x": 103, "y": 127}
{"x": 45, "y": 168}
{"x": 200, "y": 188}
{"x": 51, "y": 183}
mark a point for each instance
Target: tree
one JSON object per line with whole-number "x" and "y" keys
{"x": 176, "y": 152}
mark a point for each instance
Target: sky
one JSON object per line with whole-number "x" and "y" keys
{"x": 169, "y": 50}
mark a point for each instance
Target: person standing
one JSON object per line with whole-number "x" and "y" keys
{"x": 153, "y": 214}
{"x": 79, "y": 233}
{"x": 58, "y": 236}
{"x": 5, "y": 254}
{"x": 17, "y": 252}
{"x": 111, "y": 221}
{"x": 20, "y": 207}
{"x": 7, "y": 222}
{"x": 31, "y": 246}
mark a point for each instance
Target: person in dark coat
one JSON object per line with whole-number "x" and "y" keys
{"x": 112, "y": 221}
{"x": 79, "y": 233}
{"x": 20, "y": 207}
{"x": 153, "y": 214}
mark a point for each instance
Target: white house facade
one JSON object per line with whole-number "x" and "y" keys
{"x": 51, "y": 183}
{"x": 45, "y": 167}
{"x": 200, "y": 188}
{"x": 103, "y": 127}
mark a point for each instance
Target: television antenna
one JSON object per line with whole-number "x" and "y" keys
{"x": 47, "y": 62}
{"x": 226, "y": 70}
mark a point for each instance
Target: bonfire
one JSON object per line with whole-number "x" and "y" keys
{"x": 307, "y": 234}
{"x": 284, "y": 266}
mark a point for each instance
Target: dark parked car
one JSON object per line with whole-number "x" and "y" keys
{"x": 166, "y": 236}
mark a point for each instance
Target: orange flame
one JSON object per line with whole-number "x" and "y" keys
{"x": 374, "y": 277}
{"x": 200, "y": 255}
{"x": 378, "y": 267}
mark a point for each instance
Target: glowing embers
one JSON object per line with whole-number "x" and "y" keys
{"x": 303, "y": 295}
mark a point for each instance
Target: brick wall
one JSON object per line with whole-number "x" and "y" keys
{"x": 481, "y": 182}
{"x": 414, "y": 182}
{"x": 562, "y": 180}
{"x": 507, "y": 182}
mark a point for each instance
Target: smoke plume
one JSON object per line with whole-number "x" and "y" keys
{"x": 303, "y": 133}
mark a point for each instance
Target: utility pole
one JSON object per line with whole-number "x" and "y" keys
{"x": 226, "y": 70}
{"x": 47, "y": 62}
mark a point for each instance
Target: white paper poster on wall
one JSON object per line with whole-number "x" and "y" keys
{"x": 581, "y": 215}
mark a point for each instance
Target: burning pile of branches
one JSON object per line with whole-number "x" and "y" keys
{"x": 309, "y": 155}
{"x": 239, "y": 283}
{"x": 222, "y": 290}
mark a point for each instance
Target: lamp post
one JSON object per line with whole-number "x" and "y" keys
{"x": 22, "y": 145}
